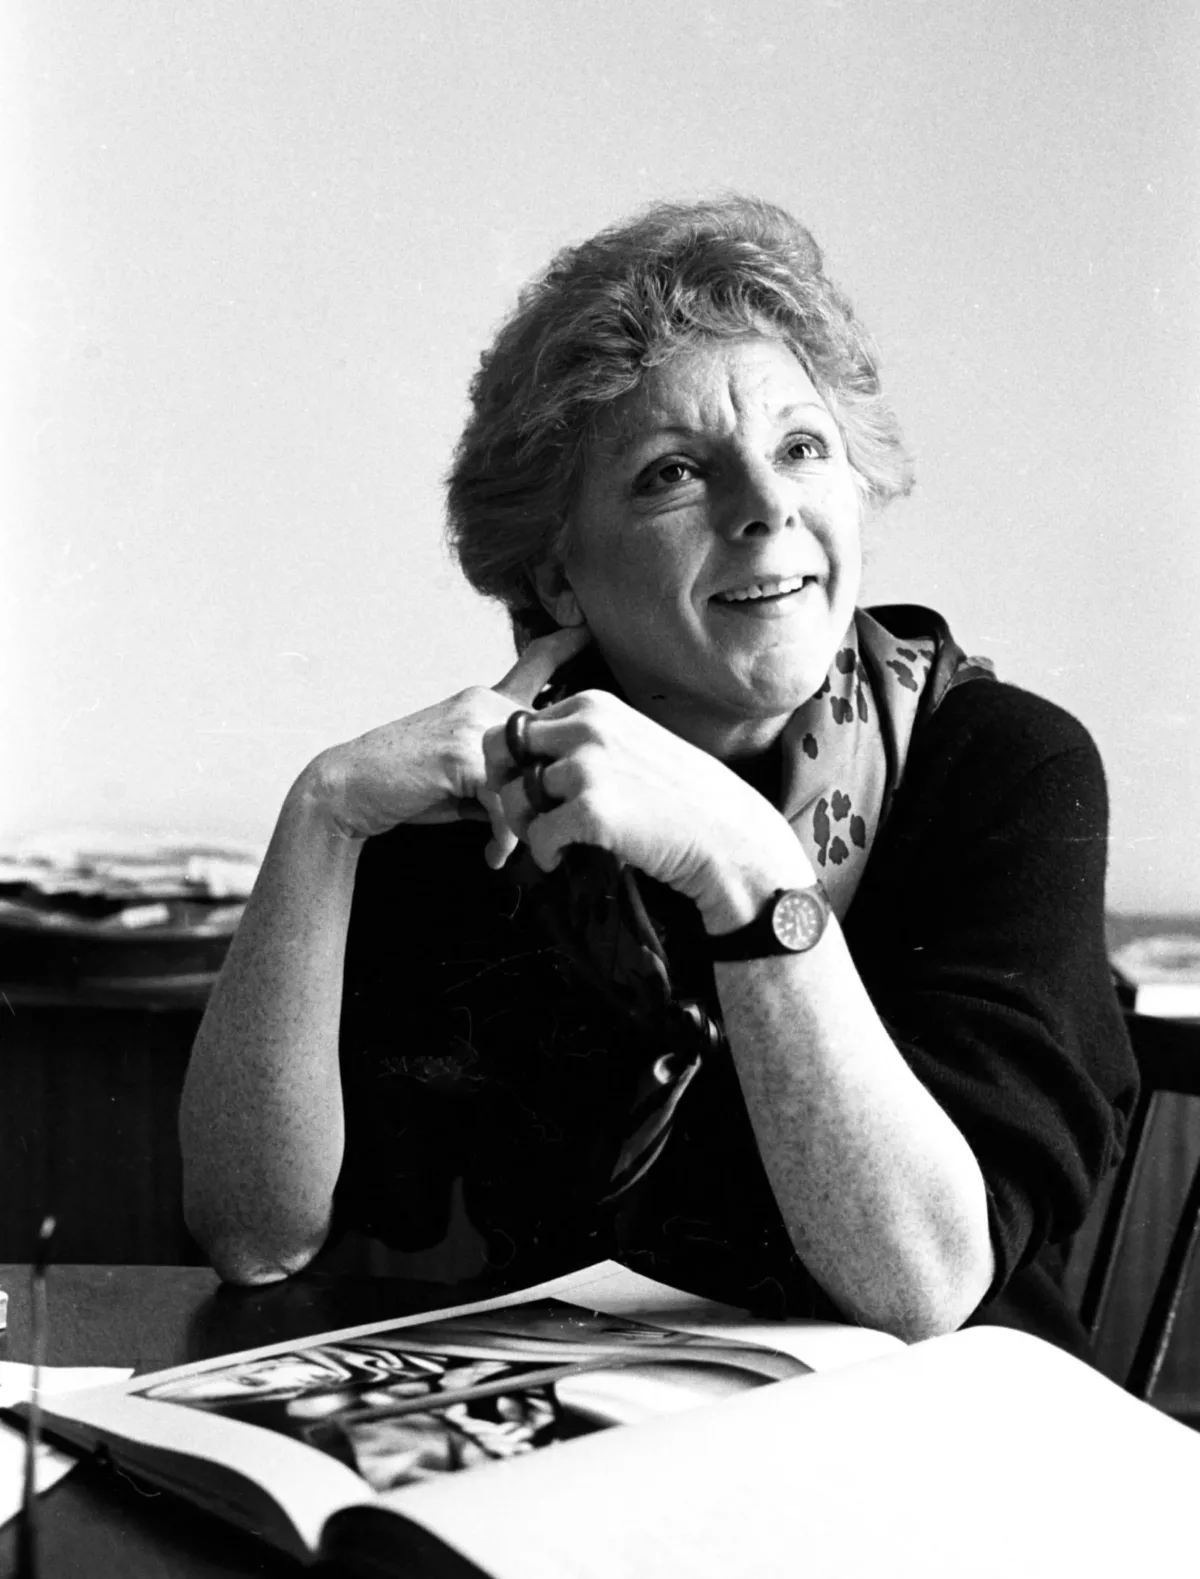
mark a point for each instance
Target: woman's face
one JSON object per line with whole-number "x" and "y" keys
{"x": 715, "y": 544}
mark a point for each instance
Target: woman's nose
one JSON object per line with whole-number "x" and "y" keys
{"x": 760, "y": 503}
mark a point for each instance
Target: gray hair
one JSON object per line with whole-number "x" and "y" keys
{"x": 585, "y": 332}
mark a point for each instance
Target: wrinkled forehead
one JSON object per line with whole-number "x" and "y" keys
{"x": 706, "y": 385}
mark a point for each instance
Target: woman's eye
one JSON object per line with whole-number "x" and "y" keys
{"x": 806, "y": 447}
{"x": 666, "y": 474}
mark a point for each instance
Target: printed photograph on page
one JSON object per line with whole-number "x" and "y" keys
{"x": 403, "y": 1405}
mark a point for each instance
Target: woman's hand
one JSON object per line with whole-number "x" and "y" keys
{"x": 429, "y": 767}
{"x": 626, "y": 784}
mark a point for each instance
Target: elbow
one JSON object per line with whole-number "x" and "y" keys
{"x": 250, "y": 1258}
{"x": 236, "y": 1259}
{"x": 919, "y": 1313}
{"x": 943, "y": 1265}
{"x": 248, "y": 1267}
{"x": 923, "y": 1286}
{"x": 939, "y": 1296}
{"x": 928, "y": 1318}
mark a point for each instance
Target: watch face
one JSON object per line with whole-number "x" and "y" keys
{"x": 798, "y": 919}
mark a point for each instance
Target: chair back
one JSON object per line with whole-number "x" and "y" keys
{"x": 1168, "y": 1058}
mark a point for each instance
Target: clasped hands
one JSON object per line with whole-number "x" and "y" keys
{"x": 593, "y": 770}
{"x": 607, "y": 776}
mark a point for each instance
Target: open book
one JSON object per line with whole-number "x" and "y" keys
{"x": 599, "y": 1425}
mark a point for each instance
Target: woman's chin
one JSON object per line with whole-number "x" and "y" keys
{"x": 773, "y": 690}
{"x": 723, "y": 689}
{"x": 770, "y": 673}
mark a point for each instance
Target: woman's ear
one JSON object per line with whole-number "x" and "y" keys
{"x": 556, "y": 594}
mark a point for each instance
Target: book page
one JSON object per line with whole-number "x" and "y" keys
{"x": 391, "y": 1403}
{"x": 233, "y": 1461}
{"x": 821, "y": 1345}
{"x": 986, "y": 1453}
{"x": 16, "y": 1385}
{"x": 253, "y": 1420}
{"x": 464, "y": 1392}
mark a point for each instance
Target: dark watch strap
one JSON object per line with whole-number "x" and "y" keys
{"x": 792, "y": 921}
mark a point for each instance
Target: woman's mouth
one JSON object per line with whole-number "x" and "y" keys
{"x": 772, "y": 594}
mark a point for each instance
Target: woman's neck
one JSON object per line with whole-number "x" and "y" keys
{"x": 730, "y": 739}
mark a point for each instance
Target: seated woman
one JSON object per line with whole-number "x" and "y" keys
{"x": 742, "y": 934}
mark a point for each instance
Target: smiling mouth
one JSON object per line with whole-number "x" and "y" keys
{"x": 768, "y": 591}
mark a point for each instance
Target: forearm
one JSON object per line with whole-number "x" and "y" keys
{"x": 261, "y": 1120}
{"x": 261, "y": 1124}
{"x": 880, "y": 1192}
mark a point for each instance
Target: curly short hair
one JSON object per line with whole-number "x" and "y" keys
{"x": 585, "y": 332}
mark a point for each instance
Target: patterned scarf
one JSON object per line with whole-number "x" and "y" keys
{"x": 845, "y": 748}
{"x": 843, "y": 755}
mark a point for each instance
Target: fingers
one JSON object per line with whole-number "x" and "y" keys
{"x": 538, "y": 790}
{"x": 549, "y": 735}
{"x": 536, "y": 665}
{"x": 510, "y": 754}
{"x": 486, "y": 807}
{"x": 576, "y": 821}
{"x": 503, "y": 841}
{"x": 523, "y": 682}
{"x": 550, "y": 765}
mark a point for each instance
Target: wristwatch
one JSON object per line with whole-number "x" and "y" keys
{"x": 792, "y": 921}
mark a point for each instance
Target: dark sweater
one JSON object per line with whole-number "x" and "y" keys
{"x": 472, "y": 1048}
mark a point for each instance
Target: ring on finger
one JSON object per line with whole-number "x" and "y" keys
{"x": 533, "y": 781}
{"x": 516, "y": 737}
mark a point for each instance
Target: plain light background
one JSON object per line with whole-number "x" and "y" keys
{"x": 252, "y": 252}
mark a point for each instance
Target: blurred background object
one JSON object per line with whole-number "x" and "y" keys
{"x": 85, "y": 915}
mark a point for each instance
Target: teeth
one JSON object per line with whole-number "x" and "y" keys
{"x": 763, "y": 589}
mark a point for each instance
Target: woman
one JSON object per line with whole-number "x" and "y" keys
{"x": 778, "y": 968}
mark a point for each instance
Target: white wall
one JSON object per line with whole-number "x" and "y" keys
{"x": 253, "y": 250}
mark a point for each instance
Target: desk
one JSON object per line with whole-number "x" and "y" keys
{"x": 96, "y": 1523}
{"x": 905, "y": 1464}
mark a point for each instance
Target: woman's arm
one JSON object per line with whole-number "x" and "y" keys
{"x": 979, "y": 928}
{"x": 261, "y": 1117}
{"x": 881, "y": 1194}
{"x": 878, "y": 1187}
{"x": 261, "y": 1121}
